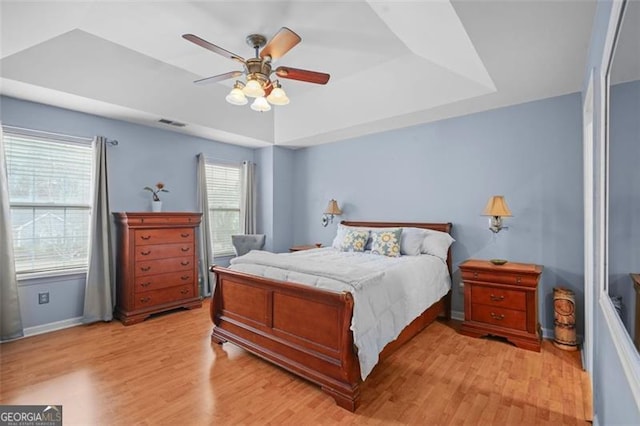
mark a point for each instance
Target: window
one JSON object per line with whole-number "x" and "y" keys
{"x": 223, "y": 194}
{"x": 50, "y": 200}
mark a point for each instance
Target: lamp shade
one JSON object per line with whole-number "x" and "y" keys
{"x": 260, "y": 105}
{"x": 277, "y": 95}
{"x": 236, "y": 97}
{"x": 497, "y": 206}
{"x": 253, "y": 89}
{"x": 332, "y": 208}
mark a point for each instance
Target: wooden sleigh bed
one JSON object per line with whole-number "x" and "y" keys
{"x": 304, "y": 329}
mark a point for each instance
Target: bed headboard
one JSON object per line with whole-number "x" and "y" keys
{"x": 442, "y": 227}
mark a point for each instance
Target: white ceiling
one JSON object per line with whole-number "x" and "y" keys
{"x": 392, "y": 64}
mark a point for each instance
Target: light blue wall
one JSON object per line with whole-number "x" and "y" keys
{"x": 624, "y": 195}
{"x": 283, "y": 161}
{"x": 447, "y": 170}
{"x": 144, "y": 156}
{"x": 275, "y": 197}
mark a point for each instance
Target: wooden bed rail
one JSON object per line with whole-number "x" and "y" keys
{"x": 303, "y": 329}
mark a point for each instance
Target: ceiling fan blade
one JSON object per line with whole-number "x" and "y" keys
{"x": 220, "y": 77}
{"x": 281, "y": 43}
{"x": 212, "y": 47}
{"x": 303, "y": 75}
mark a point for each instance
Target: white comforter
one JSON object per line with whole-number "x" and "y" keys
{"x": 388, "y": 292}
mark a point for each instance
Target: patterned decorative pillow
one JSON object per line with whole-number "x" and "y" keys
{"x": 386, "y": 242}
{"x": 354, "y": 240}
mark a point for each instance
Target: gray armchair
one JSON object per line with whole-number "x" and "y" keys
{"x": 243, "y": 244}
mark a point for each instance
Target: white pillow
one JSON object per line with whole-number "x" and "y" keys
{"x": 412, "y": 240}
{"x": 437, "y": 243}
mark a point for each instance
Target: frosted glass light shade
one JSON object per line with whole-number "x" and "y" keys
{"x": 253, "y": 89}
{"x": 236, "y": 97}
{"x": 278, "y": 97}
{"x": 261, "y": 104}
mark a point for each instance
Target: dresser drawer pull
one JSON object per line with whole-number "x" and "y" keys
{"x": 496, "y": 298}
{"x": 145, "y": 268}
{"x": 145, "y": 253}
{"x": 145, "y": 237}
{"x": 184, "y": 291}
{"x": 185, "y": 249}
{"x": 518, "y": 280}
{"x": 185, "y": 277}
{"x": 145, "y": 299}
{"x": 475, "y": 275}
{"x": 497, "y": 317}
{"x": 147, "y": 284}
{"x": 185, "y": 235}
{"x": 185, "y": 262}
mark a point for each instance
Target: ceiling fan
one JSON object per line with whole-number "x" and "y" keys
{"x": 258, "y": 70}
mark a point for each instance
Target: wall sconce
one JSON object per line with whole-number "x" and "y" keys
{"x": 496, "y": 208}
{"x": 331, "y": 211}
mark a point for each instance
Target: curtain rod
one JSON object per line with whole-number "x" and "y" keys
{"x": 35, "y": 132}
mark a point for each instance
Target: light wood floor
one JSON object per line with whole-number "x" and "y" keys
{"x": 166, "y": 371}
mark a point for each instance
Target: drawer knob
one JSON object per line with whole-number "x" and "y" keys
{"x": 185, "y": 235}
{"x": 475, "y": 275}
{"x": 496, "y": 298}
{"x": 184, "y": 291}
{"x": 145, "y": 268}
{"x": 184, "y": 262}
{"x": 185, "y": 277}
{"x": 144, "y": 299}
{"x": 185, "y": 249}
{"x": 147, "y": 284}
{"x": 145, "y": 253}
{"x": 497, "y": 317}
{"x": 145, "y": 237}
{"x": 518, "y": 280}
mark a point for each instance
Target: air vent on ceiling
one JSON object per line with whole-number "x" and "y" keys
{"x": 171, "y": 122}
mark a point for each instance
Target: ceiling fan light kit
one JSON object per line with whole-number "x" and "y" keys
{"x": 258, "y": 71}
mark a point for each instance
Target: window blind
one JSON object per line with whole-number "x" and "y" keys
{"x": 223, "y": 193}
{"x": 50, "y": 199}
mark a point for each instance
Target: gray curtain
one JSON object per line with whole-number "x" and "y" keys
{"x": 10, "y": 319}
{"x": 248, "y": 198}
{"x": 204, "y": 236}
{"x": 99, "y": 290}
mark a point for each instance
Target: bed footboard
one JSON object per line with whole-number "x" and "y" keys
{"x": 303, "y": 329}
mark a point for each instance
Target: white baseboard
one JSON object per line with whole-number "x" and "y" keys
{"x": 457, "y": 315}
{"x": 52, "y": 326}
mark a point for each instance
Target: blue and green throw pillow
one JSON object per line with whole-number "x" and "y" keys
{"x": 386, "y": 242}
{"x": 354, "y": 240}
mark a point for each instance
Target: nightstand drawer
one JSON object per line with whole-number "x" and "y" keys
{"x": 500, "y": 278}
{"x": 508, "y": 318}
{"x": 495, "y": 296}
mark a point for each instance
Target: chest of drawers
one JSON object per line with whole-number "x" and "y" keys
{"x": 157, "y": 264}
{"x": 502, "y": 301}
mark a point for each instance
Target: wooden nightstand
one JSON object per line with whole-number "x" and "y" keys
{"x": 303, "y": 247}
{"x": 502, "y": 301}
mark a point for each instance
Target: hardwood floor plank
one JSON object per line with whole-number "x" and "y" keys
{"x": 167, "y": 371}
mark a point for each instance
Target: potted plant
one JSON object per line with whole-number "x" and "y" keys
{"x": 156, "y": 204}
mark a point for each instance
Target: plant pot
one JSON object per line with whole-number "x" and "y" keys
{"x": 156, "y": 206}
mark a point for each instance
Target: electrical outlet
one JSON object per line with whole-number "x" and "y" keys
{"x": 43, "y": 298}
